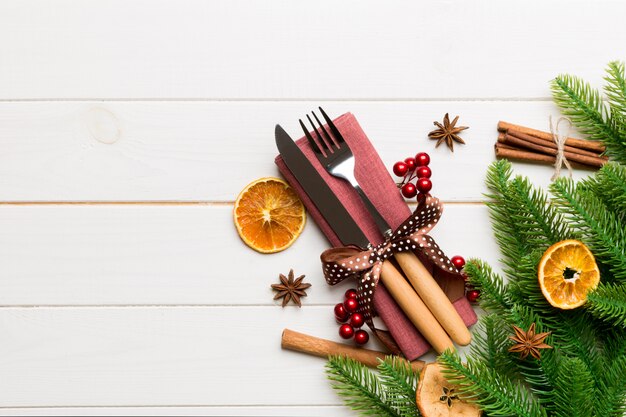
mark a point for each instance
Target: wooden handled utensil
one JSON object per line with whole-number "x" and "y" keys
{"x": 338, "y": 160}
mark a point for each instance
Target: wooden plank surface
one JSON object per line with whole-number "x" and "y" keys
{"x": 282, "y": 50}
{"x": 208, "y": 151}
{"x": 159, "y": 309}
{"x": 172, "y": 255}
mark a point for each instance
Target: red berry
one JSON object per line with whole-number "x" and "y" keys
{"x": 361, "y": 337}
{"x": 351, "y": 293}
{"x": 424, "y": 185}
{"x": 346, "y": 331}
{"x": 410, "y": 162}
{"x": 422, "y": 159}
{"x": 400, "y": 169}
{"x": 473, "y": 295}
{"x": 357, "y": 320}
{"x": 341, "y": 314}
{"x": 351, "y": 305}
{"x": 409, "y": 190}
{"x": 423, "y": 172}
{"x": 421, "y": 197}
{"x": 458, "y": 261}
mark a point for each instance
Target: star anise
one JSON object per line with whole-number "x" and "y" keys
{"x": 448, "y": 396}
{"x": 290, "y": 289}
{"x": 447, "y": 132}
{"x": 528, "y": 342}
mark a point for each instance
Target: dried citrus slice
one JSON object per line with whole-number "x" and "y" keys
{"x": 567, "y": 273}
{"x": 438, "y": 398}
{"x": 269, "y": 216}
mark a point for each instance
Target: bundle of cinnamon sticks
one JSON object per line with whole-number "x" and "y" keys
{"x": 526, "y": 144}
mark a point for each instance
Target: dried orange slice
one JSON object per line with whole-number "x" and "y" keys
{"x": 269, "y": 216}
{"x": 567, "y": 273}
{"x": 438, "y": 398}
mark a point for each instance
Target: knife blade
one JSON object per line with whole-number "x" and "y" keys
{"x": 320, "y": 193}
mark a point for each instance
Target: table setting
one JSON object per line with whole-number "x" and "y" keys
{"x": 274, "y": 208}
{"x": 546, "y": 322}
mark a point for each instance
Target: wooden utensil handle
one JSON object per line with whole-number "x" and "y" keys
{"x": 414, "y": 308}
{"x": 433, "y": 296}
{"x": 323, "y": 348}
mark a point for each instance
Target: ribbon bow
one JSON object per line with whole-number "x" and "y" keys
{"x": 364, "y": 265}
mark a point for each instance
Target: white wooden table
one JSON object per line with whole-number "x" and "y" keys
{"x": 127, "y": 128}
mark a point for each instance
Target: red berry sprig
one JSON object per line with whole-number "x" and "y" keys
{"x": 352, "y": 321}
{"x": 414, "y": 169}
{"x": 471, "y": 293}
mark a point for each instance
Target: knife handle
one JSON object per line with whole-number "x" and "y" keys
{"x": 434, "y": 297}
{"x": 414, "y": 308}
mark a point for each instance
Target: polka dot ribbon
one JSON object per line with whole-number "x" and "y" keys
{"x": 364, "y": 265}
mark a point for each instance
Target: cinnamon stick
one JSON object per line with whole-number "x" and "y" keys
{"x": 510, "y": 152}
{"x": 593, "y": 161}
{"x": 551, "y": 144}
{"x": 578, "y": 143}
{"x": 323, "y": 348}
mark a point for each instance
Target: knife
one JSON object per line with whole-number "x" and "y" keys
{"x": 349, "y": 233}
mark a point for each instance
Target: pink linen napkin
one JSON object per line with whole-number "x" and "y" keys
{"x": 376, "y": 182}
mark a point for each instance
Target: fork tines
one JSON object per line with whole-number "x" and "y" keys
{"x": 325, "y": 140}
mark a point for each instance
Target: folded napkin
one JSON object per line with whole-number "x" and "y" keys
{"x": 376, "y": 182}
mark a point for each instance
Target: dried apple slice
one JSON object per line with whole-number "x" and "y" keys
{"x": 437, "y": 398}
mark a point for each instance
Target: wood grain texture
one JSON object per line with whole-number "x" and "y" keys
{"x": 282, "y": 50}
{"x": 289, "y": 411}
{"x": 161, "y": 356}
{"x": 208, "y": 151}
{"x": 172, "y": 255}
{"x": 120, "y": 309}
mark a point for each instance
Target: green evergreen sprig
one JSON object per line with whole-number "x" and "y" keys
{"x": 584, "y": 105}
{"x": 608, "y": 302}
{"x": 584, "y": 373}
{"x": 388, "y": 393}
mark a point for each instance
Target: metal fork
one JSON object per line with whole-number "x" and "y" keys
{"x": 338, "y": 160}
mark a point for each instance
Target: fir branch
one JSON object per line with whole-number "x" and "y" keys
{"x": 400, "y": 383}
{"x": 369, "y": 395}
{"x": 583, "y": 105}
{"x": 602, "y": 231}
{"x": 609, "y": 185}
{"x": 574, "y": 388}
{"x": 494, "y": 295}
{"x": 615, "y": 88}
{"x": 608, "y": 303}
{"x": 490, "y": 343}
{"x": 522, "y": 218}
{"x": 611, "y": 398}
{"x": 494, "y": 393}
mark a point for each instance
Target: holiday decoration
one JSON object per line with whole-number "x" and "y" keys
{"x": 346, "y": 331}
{"x": 311, "y": 345}
{"x": 261, "y": 207}
{"x": 341, "y": 314}
{"x": 414, "y": 169}
{"x": 584, "y": 373}
{"x": 528, "y": 342}
{"x": 346, "y": 313}
{"x": 290, "y": 289}
{"x": 600, "y": 119}
{"x": 472, "y": 295}
{"x": 361, "y": 337}
{"x": 447, "y": 132}
{"x": 567, "y": 273}
{"x": 388, "y": 393}
{"x": 526, "y": 144}
{"x": 436, "y": 397}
